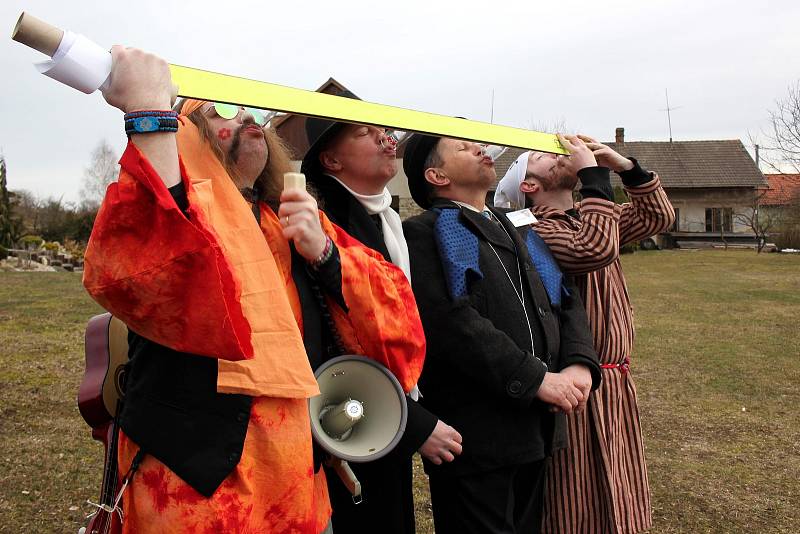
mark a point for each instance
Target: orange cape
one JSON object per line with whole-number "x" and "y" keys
{"x": 205, "y": 283}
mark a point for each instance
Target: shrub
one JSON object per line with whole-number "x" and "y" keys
{"x": 3, "y": 252}
{"x": 75, "y": 249}
{"x": 31, "y": 242}
{"x": 789, "y": 237}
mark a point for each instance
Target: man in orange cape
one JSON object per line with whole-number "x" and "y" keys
{"x": 230, "y": 291}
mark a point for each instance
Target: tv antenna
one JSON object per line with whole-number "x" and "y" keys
{"x": 669, "y": 117}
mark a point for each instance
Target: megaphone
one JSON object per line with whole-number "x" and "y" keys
{"x": 360, "y": 414}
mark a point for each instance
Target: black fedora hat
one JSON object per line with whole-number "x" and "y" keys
{"x": 319, "y": 133}
{"x": 418, "y": 147}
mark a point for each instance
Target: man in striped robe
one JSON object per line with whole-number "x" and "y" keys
{"x": 599, "y": 483}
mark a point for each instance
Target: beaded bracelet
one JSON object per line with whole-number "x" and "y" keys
{"x": 327, "y": 253}
{"x": 151, "y": 121}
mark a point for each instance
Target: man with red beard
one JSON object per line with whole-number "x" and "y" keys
{"x": 350, "y": 166}
{"x": 599, "y": 482}
{"x": 228, "y": 285}
{"x": 508, "y": 341}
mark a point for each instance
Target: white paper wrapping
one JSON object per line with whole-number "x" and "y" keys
{"x": 79, "y": 63}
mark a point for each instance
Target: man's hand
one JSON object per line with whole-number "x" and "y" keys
{"x": 299, "y": 217}
{"x": 580, "y": 156}
{"x": 606, "y": 156}
{"x": 139, "y": 81}
{"x": 560, "y": 390}
{"x": 443, "y": 445}
{"x": 582, "y": 379}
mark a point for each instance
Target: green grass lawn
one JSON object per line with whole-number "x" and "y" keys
{"x": 716, "y": 363}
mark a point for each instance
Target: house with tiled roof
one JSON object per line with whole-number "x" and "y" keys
{"x": 709, "y": 183}
{"x": 780, "y": 204}
{"x": 783, "y": 191}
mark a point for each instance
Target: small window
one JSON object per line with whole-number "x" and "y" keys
{"x": 719, "y": 219}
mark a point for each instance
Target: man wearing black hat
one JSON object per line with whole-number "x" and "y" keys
{"x": 509, "y": 349}
{"x": 350, "y": 165}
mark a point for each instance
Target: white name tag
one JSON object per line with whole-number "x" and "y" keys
{"x": 521, "y": 218}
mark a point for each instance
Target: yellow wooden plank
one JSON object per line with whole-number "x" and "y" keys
{"x": 216, "y": 87}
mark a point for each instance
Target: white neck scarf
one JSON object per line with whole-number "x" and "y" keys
{"x": 391, "y": 225}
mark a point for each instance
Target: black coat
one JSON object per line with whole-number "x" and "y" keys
{"x": 479, "y": 373}
{"x": 388, "y": 505}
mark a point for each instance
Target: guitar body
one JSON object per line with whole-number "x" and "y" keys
{"x": 99, "y": 399}
{"x": 106, "y": 347}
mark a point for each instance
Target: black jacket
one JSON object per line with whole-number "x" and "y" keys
{"x": 388, "y": 505}
{"x": 348, "y": 213}
{"x": 479, "y": 374}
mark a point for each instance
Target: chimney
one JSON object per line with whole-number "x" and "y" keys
{"x": 619, "y": 135}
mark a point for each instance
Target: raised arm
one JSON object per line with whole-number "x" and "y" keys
{"x": 649, "y": 212}
{"x": 591, "y": 242}
{"x": 139, "y": 82}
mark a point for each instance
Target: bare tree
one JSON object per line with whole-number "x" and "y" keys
{"x": 759, "y": 221}
{"x": 28, "y": 207}
{"x": 779, "y": 143}
{"x": 102, "y": 170}
{"x": 555, "y": 126}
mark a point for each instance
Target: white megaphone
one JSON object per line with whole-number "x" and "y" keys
{"x": 360, "y": 414}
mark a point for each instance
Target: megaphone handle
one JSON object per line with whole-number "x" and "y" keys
{"x": 347, "y": 476}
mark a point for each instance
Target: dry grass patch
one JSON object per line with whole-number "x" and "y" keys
{"x": 717, "y": 332}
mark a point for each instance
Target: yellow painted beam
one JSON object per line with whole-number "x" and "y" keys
{"x": 206, "y": 85}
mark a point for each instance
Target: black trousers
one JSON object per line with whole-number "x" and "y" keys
{"x": 388, "y": 502}
{"x": 503, "y": 501}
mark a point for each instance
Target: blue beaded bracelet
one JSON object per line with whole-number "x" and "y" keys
{"x": 151, "y": 121}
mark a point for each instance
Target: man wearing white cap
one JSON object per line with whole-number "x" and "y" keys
{"x": 595, "y": 485}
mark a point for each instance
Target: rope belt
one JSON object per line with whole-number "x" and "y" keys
{"x": 624, "y": 367}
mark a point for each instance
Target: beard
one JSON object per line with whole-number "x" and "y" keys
{"x": 559, "y": 179}
{"x": 236, "y": 144}
{"x": 567, "y": 181}
{"x": 246, "y": 160}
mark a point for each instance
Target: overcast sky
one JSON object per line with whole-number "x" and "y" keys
{"x": 590, "y": 65}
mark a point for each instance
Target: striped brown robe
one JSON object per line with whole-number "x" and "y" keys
{"x": 599, "y": 483}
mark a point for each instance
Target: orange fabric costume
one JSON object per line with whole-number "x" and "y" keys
{"x": 212, "y": 282}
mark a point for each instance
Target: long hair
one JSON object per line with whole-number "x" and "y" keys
{"x": 270, "y": 181}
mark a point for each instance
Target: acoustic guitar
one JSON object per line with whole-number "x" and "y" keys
{"x": 99, "y": 399}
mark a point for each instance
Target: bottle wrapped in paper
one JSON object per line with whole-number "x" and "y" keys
{"x": 79, "y": 63}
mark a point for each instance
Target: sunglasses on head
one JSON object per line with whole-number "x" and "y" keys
{"x": 231, "y": 111}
